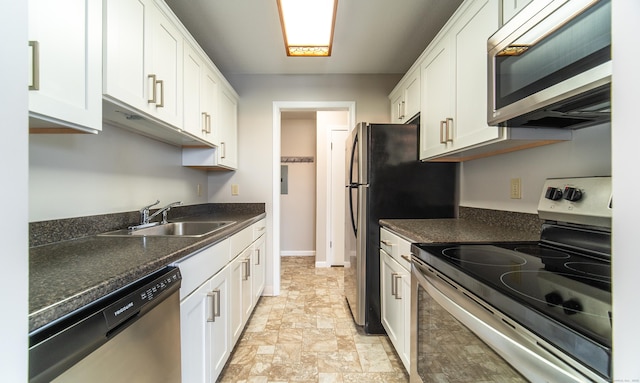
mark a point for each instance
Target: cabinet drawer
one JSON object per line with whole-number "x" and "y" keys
{"x": 201, "y": 266}
{"x": 241, "y": 241}
{"x": 259, "y": 228}
{"x": 397, "y": 247}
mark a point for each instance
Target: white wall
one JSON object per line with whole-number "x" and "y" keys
{"x": 626, "y": 208}
{"x": 255, "y": 130}
{"x": 485, "y": 183}
{"x": 298, "y": 206}
{"x": 72, "y": 175}
{"x": 14, "y": 285}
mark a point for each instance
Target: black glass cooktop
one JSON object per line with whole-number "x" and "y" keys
{"x": 543, "y": 288}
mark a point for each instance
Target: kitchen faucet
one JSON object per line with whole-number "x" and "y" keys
{"x": 145, "y": 218}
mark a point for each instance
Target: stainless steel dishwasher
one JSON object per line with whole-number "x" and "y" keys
{"x": 130, "y": 335}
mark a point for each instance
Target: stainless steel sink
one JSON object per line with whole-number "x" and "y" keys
{"x": 173, "y": 229}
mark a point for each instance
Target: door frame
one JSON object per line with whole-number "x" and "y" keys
{"x": 278, "y": 108}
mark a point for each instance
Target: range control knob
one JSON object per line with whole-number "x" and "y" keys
{"x": 571, "y": 307}
{"x": 572, "y": 194}
{"x": 553, "y": 193}
{"x": 553, "y": 299}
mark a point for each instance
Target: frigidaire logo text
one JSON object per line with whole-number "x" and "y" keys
{"x": 123, "y": 309}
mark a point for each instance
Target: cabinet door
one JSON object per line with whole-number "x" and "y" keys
{"x": 396, "y": 107}
{"x": 165, "y": 64}
{"x": 511, "y": 7}
{"x": 219, "y": 324}
{"x": 470, "y": 126}
{"x": 258, "y": 264}
{"x": 194, "y": 118}
{"x": 392, "y": 311}
{"x": 65, "y": 85}
{"x": 237, "y": 274}
{"x": 412, "y": 95}
{"x": 228, "y": 128}
{"x": 405, "y": 351}
{"x": 437, "y": 99}
{"x": 125, "y": 73}
{"x": 247, "y": 285}
{"x": 195, "y": 336}
{"x": 209, "y": 103}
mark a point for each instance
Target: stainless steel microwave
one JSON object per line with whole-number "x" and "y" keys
{"x": 550, "y": 66}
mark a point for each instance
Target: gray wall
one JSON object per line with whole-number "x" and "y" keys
{"x": 72, "y": 175}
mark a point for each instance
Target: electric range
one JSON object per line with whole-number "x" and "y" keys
{"x": 558, "y": 289}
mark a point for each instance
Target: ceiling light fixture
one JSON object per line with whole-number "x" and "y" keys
{"x": 307, "y": 26}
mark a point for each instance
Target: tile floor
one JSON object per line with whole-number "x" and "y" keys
{"x": 307, "y": 334}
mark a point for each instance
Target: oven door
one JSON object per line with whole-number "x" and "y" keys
{"x": 455, "y": 337}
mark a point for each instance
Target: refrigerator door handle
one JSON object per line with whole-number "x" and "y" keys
{"x": 353, "y": 220}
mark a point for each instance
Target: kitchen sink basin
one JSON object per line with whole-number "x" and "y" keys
{"x": 173, "y": 229}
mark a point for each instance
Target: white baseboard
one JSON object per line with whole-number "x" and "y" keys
{"x": 298, "y": 253}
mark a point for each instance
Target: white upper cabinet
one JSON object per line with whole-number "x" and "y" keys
{"x": 143, "y": 59}
{"x": 199, "y": 95}
{"x": 228, "y": 129}
{"x": 453, "y": 122}
{"x": 158, "y": 81}
{"x": 454, "y": 83}
{"x": 405, "y": 98}
{"x": 511, "y": 7}
{"x": 164, "y": 73}
{"x": 65, "y": 87}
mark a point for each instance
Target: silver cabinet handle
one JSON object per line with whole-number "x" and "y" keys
{"x": 398, "y": 111}
{"x": 258, "y": 257}
{"x": 214, "y": 296}
{"x": 386, "y": 242}
{"x": 442, "y": 128}
{"x": 404, "y": 111}
{"x": 161, "y": 104}
{"x": 153, "y": 92}
{"x": 394, "y": 286}
{"x": 208, "y": 123}
{"x": 247, "y": 269}
{"x": 406, "y": 258}
{"x": 397, "y": 277}
{"x": 449, "y": 124}
{"x": 224, "y": 150}
{"x": 35, "y": 65}
{"x": 204, "y": 122}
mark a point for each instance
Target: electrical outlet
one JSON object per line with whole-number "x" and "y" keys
{"x": 516, "y": 188}
{"x": 235, "y": 189}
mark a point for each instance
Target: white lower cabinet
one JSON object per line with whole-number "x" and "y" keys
{"x": 241, "y": 302}
{"x": 395, "y": 296}
{"x": 220, "y": 288}
{"x": 204, "y": 322}
{"x": 258, "y": 264}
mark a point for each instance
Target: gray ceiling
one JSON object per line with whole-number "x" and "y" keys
{"x": 371, "y": 36}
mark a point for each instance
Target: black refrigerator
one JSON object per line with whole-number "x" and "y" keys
{"x": 385, "y": 180}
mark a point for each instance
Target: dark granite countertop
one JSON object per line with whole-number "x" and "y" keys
{"x": 66, "y": 275}
{"x": 474, "y": 225}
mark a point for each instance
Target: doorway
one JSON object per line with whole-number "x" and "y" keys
{"x": 289, "y": 106}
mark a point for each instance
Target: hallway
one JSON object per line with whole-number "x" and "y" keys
{"x": 307, "y": 334}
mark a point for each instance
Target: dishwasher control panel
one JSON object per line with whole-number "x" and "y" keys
{"x": 150, "y": 290}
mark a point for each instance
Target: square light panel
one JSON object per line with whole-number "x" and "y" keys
{"x": 307, "y": 26}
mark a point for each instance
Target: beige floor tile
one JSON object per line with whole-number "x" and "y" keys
{"x": 307, "y": 334}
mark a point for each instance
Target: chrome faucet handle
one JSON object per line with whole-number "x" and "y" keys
{"x": 166, "y": 209}
{"x": 144, "y": 212}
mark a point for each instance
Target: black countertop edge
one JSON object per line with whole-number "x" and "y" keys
{"x": 48, "y": 303}
{"x": 47, "y": 232}
{"x": 473, "y": 225}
